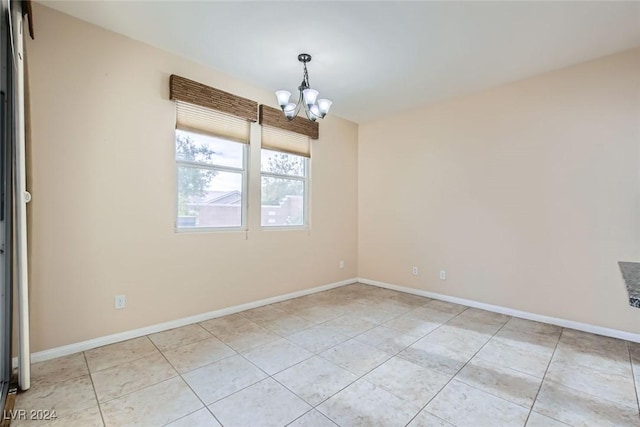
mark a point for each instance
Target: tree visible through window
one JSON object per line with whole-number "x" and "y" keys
{"x": 284, "y": 185}
{"x": 211, "y": 180}
{"x": 194, "y": 181}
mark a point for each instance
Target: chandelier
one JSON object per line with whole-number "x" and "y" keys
{"x": 314, "y": 108}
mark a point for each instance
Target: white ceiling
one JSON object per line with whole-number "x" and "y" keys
{"x": 375, "y": 58}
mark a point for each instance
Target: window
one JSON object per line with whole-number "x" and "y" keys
{"x": 284, "y": 169}
{"x": 284, "y": 189}
{"x": 211, "y": 169}
{"x": 211, "y": 149}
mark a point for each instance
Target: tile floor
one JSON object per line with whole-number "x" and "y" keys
{"x": 352, "y": 356}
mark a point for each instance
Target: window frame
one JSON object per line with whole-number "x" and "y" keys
{"x": 305, "y": 204}
{"x": 244, "y": 173}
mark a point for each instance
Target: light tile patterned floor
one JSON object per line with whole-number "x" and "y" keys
{"x": 352, "y": 356}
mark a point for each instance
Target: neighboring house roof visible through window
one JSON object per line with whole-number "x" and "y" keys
{"x": 220, "y": 198}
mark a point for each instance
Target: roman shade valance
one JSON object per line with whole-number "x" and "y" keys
{"x": 274, "y": 138}
{"x": 274, "y": 118}
{"x": 195, "y": 118}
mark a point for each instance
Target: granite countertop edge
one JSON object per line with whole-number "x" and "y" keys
{"x": 631, "y": 274}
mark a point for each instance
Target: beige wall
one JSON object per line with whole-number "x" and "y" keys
{"x": 103, "y": 184}
{"x": 527, "y": 194}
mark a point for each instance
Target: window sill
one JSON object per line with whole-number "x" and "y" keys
{"x": 209, "y": 230}
{"x": 267, "y": 228}
{"x": 284, "y": 228}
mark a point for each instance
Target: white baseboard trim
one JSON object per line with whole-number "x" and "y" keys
{"x": 599, "y": 330}
{"x": 135, "y": 333}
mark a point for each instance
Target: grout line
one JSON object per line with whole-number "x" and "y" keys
{"x": 410, "y": 309}
{"x": 132, "y": 359}
{"x": 297, "y": 418}
{"x": 184, "y": 416}
{"x": 375, "y": 325}
{"x": 463, "y": 366}
{"x": 535, "y": 399}
{"x": 318, "y": 355}
{"x": 235, "y": 353}
{"x": 312, "y": 407}
{"x": 281, "y": 370}
{"x": 84, "y": 356}
{"x": 589, "y": 393}
{"x": 447, "y": 423}
{"x": 361, "y": 377}
{"x": 308, "y": 412}
{"x": 276, "y": 373}
{"x": 188, "y": 385}
{"x": 593, "y": 396}
{"x": 358, "y": 377}
{"x": 342, "y": 314}
{"x": 636, "y": 383}
{"x": 140, "y": 388}
{"x": 183, "y": 345}
{"x": 521, "y": 372}
{"x": 392, "y": 355}
{"x": 238, "y": 353}
{"x": 313, "y": 354}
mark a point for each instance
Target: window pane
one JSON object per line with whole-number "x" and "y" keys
{"x": 282, "y": 201}
{"x": 282, "y": 163}
{"x": 208, "y": 198}
{"x": 194, "y": 147}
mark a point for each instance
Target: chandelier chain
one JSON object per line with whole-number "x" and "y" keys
{"x": 305, "y": 78}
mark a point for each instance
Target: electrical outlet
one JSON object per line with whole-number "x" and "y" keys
{"x": 341, "y": 265}
{"x": 443, "y": 275}
{"x": 414, "y": 271}
{"x": 120, "y": 301}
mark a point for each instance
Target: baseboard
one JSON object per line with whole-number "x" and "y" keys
{"x": 135, "y": 333}
{"x": 599, "y": 330}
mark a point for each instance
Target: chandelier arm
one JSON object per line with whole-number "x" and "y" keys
{"x": 311, "y": 115}
{"x": 297, "y": 109}
{"x": 308, "y": 114}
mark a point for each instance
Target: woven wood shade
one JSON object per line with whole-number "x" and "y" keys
{"x": 273, "y": 117}
{"x": 182, "y": 89}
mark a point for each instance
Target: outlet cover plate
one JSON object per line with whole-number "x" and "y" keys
{"x": 121, "y": 301}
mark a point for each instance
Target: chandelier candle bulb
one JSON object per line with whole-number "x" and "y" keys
{"x": 314, "y": 108}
